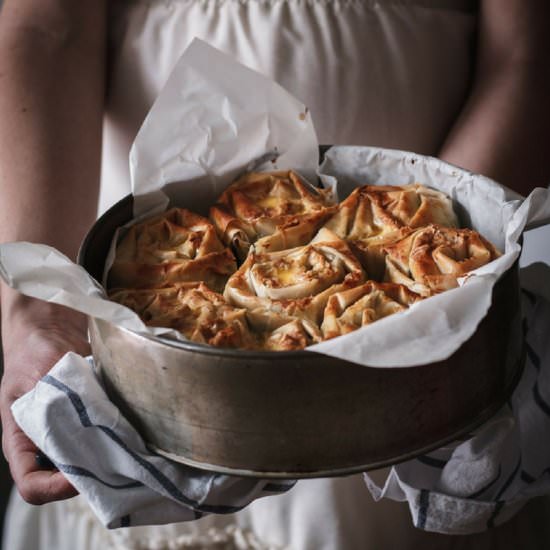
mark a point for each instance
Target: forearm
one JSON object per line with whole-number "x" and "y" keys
{"x": 51, "y": 109}
{"x": 51, "y": 106}
{"x": 504, "y": 129}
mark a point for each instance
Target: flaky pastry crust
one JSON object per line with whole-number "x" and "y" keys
{"x": 375, "y": 216}
{"x": 295, "y": 335}
{"x": 177, "y": 246}
{"x": 360, "y": 306}
{"x": 275, "y": 210}
{"x": 305, "y": 262}
{"x": 278, "y": 287}
{"x": 200, "y": 314}
{"x": 432, "y": 258}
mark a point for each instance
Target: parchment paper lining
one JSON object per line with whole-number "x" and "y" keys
{"x": 216, "y": 118}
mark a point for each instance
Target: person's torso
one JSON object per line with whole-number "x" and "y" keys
{"x": 390, "y": 73}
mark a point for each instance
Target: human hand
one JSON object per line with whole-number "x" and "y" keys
{"x": 35, "y": 336}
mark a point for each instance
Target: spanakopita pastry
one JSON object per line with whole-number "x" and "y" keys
{"x": 306, "y": 262}
{"x": 413, "y": 205}
{"x": 295, "y": 335}
{"x": 177, "y": 246}
{"x": 200, "y": 314}
{"x": 360, "y": 306}
{"x": 374, "y": 216}
{"x": 431, "y": 259}
{"x": 278, "y": 287}
{"x": 275, "y": 210}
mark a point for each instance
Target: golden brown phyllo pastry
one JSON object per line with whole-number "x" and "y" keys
{"x": 354, "y": 308}
{"x": 200, "y": 314}
{"x": 297, "y": 334}
{"x": 174, "y": 247}
{"x": 275, "y": 210}
{"x": 431, "y": 258}
{"x": 309, "y": 270}
{"x": 278, "y": 287}
{"x": 376, "y": 215}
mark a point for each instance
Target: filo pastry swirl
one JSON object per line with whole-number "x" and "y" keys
{"x": 294, "y": 335}
{"x": 275, "y": 210}
{"x": 373, "y": 216}
{"x": 200, "y": 314}
{"x": 360, "y": 306}
{"x": 431, "y": 259}
{"x": 278, "y": 287}
{"x": 177, "y": 246}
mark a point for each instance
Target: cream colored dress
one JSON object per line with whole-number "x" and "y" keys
{"x": 390, "y": 73}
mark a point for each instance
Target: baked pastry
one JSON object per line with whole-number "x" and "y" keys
{"x": 431, "y": 259}
{"x": 295, "y": 335}
{"x": 200, "y": 314}
{"x": 298, "y": 284}
{"x": 275, "y": 210}
{"x": 278, "y": 287}
{"x": 354, "y": 308}
{"x": 174, "y": 247}
{"x": 374, "y": 216}
{"x": 413, "y": 205}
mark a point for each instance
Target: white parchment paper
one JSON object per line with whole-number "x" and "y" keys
{"x": 214, "y": 120}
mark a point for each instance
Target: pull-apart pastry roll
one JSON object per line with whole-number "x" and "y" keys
{"x": 275, "y": 210}
{"x": 413, "y": 205}
{"x": 295, "y": 335}
{"x": 374, "y": 216}
{"x": 432, "y": 258}
{"x": 200, "y": 314}
{"x": 178, "y": 246}
{"x": 354, "y": 308}
{"x": 279, "y": 286}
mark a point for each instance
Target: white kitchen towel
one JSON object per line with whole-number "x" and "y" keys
{"x": 478, "y": 483}
{"x": 70, "y": 418}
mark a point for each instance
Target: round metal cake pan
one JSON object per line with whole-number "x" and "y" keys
{"x": 298, "y": 414}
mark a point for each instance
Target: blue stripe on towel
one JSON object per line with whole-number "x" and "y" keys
{"x": 488, "y": 485}
{"x": 82, "y": 472}
{"x": 161, "y": 479}
{"x": 539, "y": 400}
{"x": 509, "y": 480}
{"x": 73, "y": 396}
{"x": 424, "y": 504}
{"x": 431, "y": 461}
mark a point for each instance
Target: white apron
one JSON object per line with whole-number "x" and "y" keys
{"x": 391, "y": 73}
